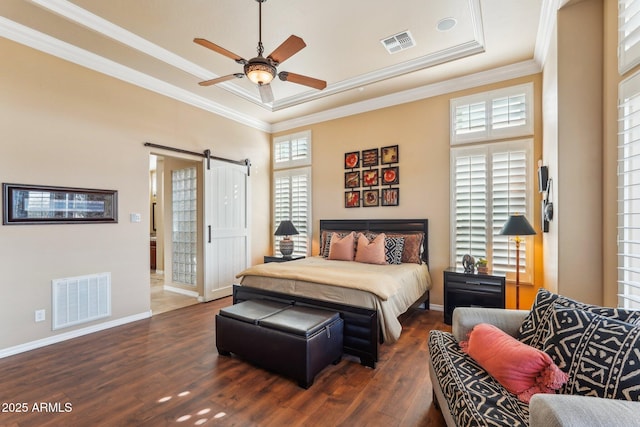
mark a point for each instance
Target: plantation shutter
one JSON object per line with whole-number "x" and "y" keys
{"x": 509, "y": 111}
{"x": 628, "y": 34}
{"x": 509, "y": 196}
{"x": 629, "y": 193}
{"x": 490, "y": 182}
{"x": 292, "y": 188}
{"x": 470, "y": 197}
{"x": 487, "y": 116}
{"x": 470, "y": 118}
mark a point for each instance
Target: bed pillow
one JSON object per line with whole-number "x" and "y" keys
{"x": 342, "y": 248}
{"x": 600, "y": 354}
{"x": 325, "y": 240}
{"x": 535, "y": 327}
{"x": 371, "y": 252}
{"x": 521, "y": 369}
{"x": 412, "y": 248}
{"x": 393, "y": 247}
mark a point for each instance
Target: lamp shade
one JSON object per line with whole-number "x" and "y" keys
{"x": 286, "y": 228}
{"x": 517, "y": 225}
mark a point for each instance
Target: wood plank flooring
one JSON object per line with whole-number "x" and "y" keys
{"x": 165, "y": 371}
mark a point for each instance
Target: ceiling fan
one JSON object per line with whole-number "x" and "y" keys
{"x": 261, "y": 70}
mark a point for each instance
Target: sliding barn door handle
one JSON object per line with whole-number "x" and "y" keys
{"x": 209, "y": 227}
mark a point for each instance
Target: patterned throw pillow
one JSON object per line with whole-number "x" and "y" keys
{"x": 601, "y": 355}
{"x": 536, "y": 325}
{"x": 393, "y": 247}
{"x": 412, "y": 249}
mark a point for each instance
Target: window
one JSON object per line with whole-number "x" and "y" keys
{"x": 628, "y": 34}
{"x": 292, "y": 188}
{"x": 489, "y": 183}
{"x": 629, "y": 193}
{"x": 487, "y": 116}
{"x": 185, "y": 225}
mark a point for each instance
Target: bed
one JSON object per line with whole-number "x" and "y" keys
{"x": 370, "y": 312}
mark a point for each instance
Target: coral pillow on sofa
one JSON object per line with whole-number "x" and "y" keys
{"x": 521, "y": 369}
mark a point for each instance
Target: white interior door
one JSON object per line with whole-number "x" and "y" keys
{"x": 226, "y": 237}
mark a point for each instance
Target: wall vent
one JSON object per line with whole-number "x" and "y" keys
{"x": 80, "y": 299}
{"x": 398, "y": 42}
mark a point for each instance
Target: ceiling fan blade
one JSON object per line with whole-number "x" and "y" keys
{"x": 221, "y": 79}
{"x": 266, "y": 94}
{"x": 287, "y": 49}
{"x": 302, "y": 80}
{"x": 214, "y": 47}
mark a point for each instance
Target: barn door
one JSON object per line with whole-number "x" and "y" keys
{"x": 226, "y": 239}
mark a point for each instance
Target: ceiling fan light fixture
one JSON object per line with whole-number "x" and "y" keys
{"x": 259, "y": 71}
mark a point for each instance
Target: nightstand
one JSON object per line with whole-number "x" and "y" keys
{"x": 471, "y": 290}
{"x": 280, "y": 258}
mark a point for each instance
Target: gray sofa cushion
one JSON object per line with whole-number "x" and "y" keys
{"x": 535, "y": 327}
{"x": 600, "y": 354}
{"x": 474, "y": 397}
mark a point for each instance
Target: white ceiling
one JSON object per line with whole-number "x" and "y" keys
{"x": 150, "y": 43}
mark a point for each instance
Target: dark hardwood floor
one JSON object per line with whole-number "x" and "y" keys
{"x": 165, "y": 371}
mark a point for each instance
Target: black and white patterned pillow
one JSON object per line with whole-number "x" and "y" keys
{"x": 601, "y": 355}
{"x": 535, "y": 327}
{"x": 393, "y": 247}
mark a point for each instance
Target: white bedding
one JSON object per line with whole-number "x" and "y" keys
{"x": 389, "y": 289}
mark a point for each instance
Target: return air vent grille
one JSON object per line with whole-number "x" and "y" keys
{"x": 398, "y": 42}
{"x": 81, "y": 299}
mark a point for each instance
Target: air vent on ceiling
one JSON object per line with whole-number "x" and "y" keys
{"x": 398, "y": 42}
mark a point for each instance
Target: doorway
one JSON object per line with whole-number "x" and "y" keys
{"x": 173, "y": 256}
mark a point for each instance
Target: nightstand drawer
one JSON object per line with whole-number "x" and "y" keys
{"x": 471, "y": 290}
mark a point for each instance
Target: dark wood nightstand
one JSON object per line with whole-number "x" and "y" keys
{"x": 471, "y": 290}
{"x": 280, "y": 258}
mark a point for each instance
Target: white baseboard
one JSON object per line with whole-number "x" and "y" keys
{"x": 436, "y": 307}
{"x": 181, "y": 291}
{"x": 10, "y": 351}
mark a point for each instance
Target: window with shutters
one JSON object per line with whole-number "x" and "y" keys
{"x": 487, "y": 116}
{"x": 628, "y": 34}
{"x": 629, "y": 193}
{"x": 490, "y": 182}
{"x": 292, "y": 188}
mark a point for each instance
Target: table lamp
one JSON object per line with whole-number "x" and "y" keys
{"x": 517, "y": 225}
{"x": 286, "y": 229}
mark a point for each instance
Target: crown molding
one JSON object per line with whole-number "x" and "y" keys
{"x": 68, "y": 10}
{"x": 426, "y": 61}
{"x": 95, "y": 23}
{"x": 495, "y": 75}
{"x": 546, "y": 27}
{"x": 50, "y": 45}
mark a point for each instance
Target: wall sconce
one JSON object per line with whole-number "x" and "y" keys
{"x": 545, "y": 184}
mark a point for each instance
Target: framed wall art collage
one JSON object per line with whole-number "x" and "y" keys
{"x": 372, "y": 177}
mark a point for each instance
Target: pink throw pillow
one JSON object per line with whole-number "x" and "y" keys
{"x": 371, "y": 252}
{"x": 521, "y": 369}
{"x": 341, "y": 249}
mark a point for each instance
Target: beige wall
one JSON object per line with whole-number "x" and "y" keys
{"x": 421, "y": 130}
{"x": 573, "y": 148}
{"x": 61, "y": 124}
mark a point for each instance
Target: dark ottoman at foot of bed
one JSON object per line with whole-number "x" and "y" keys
{"x": 295, "y": 341}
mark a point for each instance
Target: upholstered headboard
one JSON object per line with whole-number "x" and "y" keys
{"x": 380, "y": 225}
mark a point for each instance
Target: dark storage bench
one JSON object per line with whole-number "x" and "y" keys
{"x": 293, "y": 340}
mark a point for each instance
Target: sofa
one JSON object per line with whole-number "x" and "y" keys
{"x": 596, "y": 348}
